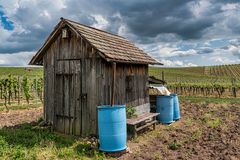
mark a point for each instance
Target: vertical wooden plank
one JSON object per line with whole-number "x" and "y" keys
{"x": 66, "y": 97}
{"x": 84, "y": 95}
{"x": 59, "y": 103}
{"x": 71, "y": 96}
{"x": 78, "y": 111}
{"x": 94, "y": 98}
{"x": 45, "y": 64}
{"x": 113, "y": 83}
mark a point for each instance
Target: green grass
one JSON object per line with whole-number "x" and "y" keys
{"x": 196, "y": 99}
{"x": 33, "y": 142}
{"x": 21, "y": 71}
{"x": 214, "y": 123}
{"x": 21, "y": 106}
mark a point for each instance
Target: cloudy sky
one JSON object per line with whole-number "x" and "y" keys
{"x": 175, "y": 32}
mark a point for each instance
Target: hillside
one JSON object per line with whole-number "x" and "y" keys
{"x": 223, "y": 73}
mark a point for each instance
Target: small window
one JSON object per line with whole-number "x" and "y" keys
{"x": 65, "y": 33}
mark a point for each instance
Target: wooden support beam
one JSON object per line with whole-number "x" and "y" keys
{"x": 113, "y": 82}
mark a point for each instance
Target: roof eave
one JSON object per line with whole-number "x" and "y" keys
{"x": 132, "y": 62}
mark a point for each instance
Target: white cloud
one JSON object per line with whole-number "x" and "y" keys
{"x": 171, "y": 51}
{"x": 16, "y": 59}
{"x": 199, "y": 8}
{"x": 101, "y": 22}
{"x": 176, "y": 63}
{"x": 186, "y": 53}
{"x": 45, "y": 14}
{"x": 230, "y": 6}
{"x": 222, "y": 60}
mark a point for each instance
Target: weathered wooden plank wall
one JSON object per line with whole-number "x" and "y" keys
{"x": 131, "y": 84}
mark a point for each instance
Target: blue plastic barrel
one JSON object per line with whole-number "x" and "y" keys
{"x": 165, "y": 108}
{"x": 112, "y": 128}
{"x": 176, "y": 109}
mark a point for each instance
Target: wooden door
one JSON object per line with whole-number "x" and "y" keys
{"x": 68, "y": 105}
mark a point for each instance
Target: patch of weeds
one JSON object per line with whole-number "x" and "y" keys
{"x": 20, "y": 107}
{"x": 174, "y": 145}
{"x": 170, "y": 127}
{"x": 135, "y": 140}
{"x": 196, "y": 135}
{"x": 189, "y": 121}
{"x": 65, "y": 153}
{"x": 131, "y": 112}
{"x": 157, "y": 156}
{"x": 156, "y": 133}
{"x": 29, "y": 142}
{"x": 228, "y": 115}
{"x": 216, "y": 122}
{"x": 88, "y": 149}
{"x": 19, "y": 153}
{"x": 206, "y": 117}
{"x": 84, "y": 149}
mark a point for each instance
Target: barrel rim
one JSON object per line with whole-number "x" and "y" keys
{"x": 165, "y": 96}
{"x": 111, "y": 107}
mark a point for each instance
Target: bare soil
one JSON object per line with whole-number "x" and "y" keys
{"x": 16, "y": 117}
{"x": 205, "y": 131}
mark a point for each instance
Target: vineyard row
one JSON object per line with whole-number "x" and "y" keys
{"x": 20, "y": 89}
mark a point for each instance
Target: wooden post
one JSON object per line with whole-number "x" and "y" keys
{"x": 36, "y": 91}
{"x": 18, "y": 91}
{"x": 163, "y": 75}
{"x": 113, "y": 82}
{"x": 234, "y": 91}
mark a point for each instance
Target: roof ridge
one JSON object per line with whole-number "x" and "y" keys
{"x": 93, "y": 28}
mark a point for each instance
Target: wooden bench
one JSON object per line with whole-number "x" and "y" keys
{"x": 142, "y": 121}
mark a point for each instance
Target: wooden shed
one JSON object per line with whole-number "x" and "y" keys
{"x": 81, "y": 64}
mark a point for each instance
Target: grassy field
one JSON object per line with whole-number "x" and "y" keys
{"x": 203, "y": 74}
{"x": 21, "y": 71}
{"x": 221, "y": 73}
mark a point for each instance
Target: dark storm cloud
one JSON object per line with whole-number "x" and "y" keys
{"x": 156, "y": 17}
{"x": 146, "y": 21}
{"x": 149, "y": 19}
{"x": 205, "y": 50}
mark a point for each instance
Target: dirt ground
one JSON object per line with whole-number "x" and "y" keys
{"x": 15, "y": 117}
{"x": 205, "y": 131}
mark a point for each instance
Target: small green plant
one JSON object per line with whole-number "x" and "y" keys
{"x": 9, "y": 87}
{"x": 131, "y": 112}
{"x": 189, "y": 121}
{"x": 206, "y": 117}
{"x": 196, "y": 135}
{"x": 174, "y": 145}
{"x": 135, "y": 139}
{"x": 216, "y": 122}
{"x": 26, "y": 88}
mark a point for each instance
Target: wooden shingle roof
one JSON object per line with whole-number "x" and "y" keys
{"x": 113, "y": 47}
